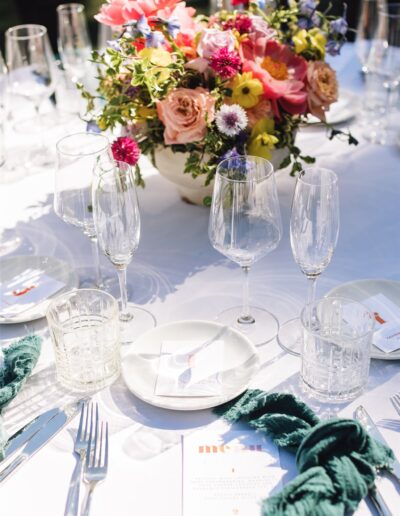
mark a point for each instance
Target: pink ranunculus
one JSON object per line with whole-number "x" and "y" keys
{"x": 283, "y": 76}
{"x": 212, "y": 40}
{"x": 185, "y": 114}
{"x": 322, "y": 88}
{"x": 111, "y": 13}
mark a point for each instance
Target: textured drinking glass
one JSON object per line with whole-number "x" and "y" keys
{"x": 3, "y": 111}
{"x": 366, "y": 28}
{"x": 384, "y": 69}
{"x": 77, "y": 155}
{"x": 117, "y": 221}
{"x": 245, "y": 225}
{"x": 84, "y": 328}
{"x": 314, "y": 231}
{"x": 31, "y": 74}
{"x": 73, "y": 40}
{"x": 336, "y": 348}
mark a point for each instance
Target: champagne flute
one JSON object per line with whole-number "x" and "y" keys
{"x": 77, "y": 155}
{"x": 117, "y": 221}
{"x": 314, "y": 230}
{"x": 366, "y": 28}
{"x": 73, "y": 40}
{"x": 31, "y": 74}
{"x": 245, "y": 225}
{"x": 3, "y": 110}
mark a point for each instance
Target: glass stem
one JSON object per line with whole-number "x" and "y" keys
{"x": 124, "y": 315}
{"x": 246, "y": 317}
{"x": 40, "y": 127}
{"x": 96, "y": 262}
{"x": 312, "y": 285}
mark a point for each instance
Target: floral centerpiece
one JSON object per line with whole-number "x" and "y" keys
{"x": 209, "y": 87}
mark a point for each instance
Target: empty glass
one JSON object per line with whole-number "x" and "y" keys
{"x": 384, "y": 76}
{"x": 117, "y": 222}
{"x": 245, "y": 225}
{"x": 84, "y": 329}
{"x": 3, "y": 110}
{"x": 77, "y": 155}
{"x": 366, "y": 28}
{"x": 32, "y": 73}
{"x": 314, "y": 231}
{"x": 73, "y": 40}
{"x": 336, "y": 349}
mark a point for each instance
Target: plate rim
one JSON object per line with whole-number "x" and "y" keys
{"x": 74, "y": 279}
{"x": 375, "y": 355}
{"x": 217, "y": 400}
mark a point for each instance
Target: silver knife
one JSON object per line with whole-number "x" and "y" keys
{"x": 365, "y": 419}
{"x": 23, "y": 435}
{"x": 43, "y": 436}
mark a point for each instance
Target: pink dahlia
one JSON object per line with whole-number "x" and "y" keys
{"x": 125, "y": 149}
{"x": 283, "y": 76}
{"x": 225, "y": 63}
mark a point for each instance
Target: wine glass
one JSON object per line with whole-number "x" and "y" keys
{"x": 3, "y": 111}
{"x": 314, "y": 230}
{"x": 73, "y": 40}
{"x": 366, "y": 27}
{"x": 384, "y": 76}
{"x": 117, "y": 221}
{"x": 31, "y": 74}
{"x": 77, "y": 155}
{"x": 245, "y": 225}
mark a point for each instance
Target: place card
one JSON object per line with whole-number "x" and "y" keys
{"x": 184, "y": 370}
{"x": 387, "y": 316}
{"x": 228, "y": 473}
{"x": 26, "y": 290}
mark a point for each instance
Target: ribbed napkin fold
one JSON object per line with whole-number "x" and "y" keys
{"x": 336, "y": 459}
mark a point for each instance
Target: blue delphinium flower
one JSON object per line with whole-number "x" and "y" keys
{"x": 307, "y": 7}
{"x": 114, "y": 44}
{"x": 333, "y": 47}
{"x": 92, "y": 127}
{"x": 305, "y": 23}
{"x": 230, "y": 154}
{"x": 155, "y": 39}
{"x": 173, "y": 26}
{"x": 339, "y": 26}
{"x": 143, "y": 27}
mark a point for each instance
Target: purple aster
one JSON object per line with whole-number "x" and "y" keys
{"x": 231, "y": 119}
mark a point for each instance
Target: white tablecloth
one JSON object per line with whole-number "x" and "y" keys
{"x": 177, "y": 275}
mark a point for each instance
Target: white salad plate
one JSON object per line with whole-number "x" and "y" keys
{"x": 361, "y": 290}
{"x": 341, "y": 111}
{"x": 52, "y": 267}
{"x": 239, "y": 365}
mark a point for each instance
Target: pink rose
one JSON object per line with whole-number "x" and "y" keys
{"x": 111, "y": 13}
{"x": 184, "y": 112}
{"x": 212, "y": 40}
{"x": 322, "y": 88}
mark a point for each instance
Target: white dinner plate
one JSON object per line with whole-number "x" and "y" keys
{"x": 140, "y": 364}
{"x": 53, "y": 267}
{"x": 341, "y": 111}
{"x": 363, "y": 289}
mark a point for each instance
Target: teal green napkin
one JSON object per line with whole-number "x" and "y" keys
{"x": 336, "y": 459}
{"x": 16, "y": 365}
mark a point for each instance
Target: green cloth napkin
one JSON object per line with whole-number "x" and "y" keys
{"x": 336, "y": 459}
{"x": 18, "y": 361}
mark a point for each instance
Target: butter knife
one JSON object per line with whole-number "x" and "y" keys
{"x": 365, "y": 419}
{"x": 40, "y": 438}
{"x": 25, "y": 433}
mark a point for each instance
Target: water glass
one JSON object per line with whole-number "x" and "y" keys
{"x": 336, "y": 348}
{"x": 84, "y": 328}
{"x": 3, "y": 111}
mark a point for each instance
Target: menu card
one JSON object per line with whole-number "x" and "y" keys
{"x": 26, "y": 290}
{"x": 387, "y": 329}
{"x": 187, "y": 369}
{"x": 228, "y": 473}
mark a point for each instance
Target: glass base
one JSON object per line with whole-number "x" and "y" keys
{"x": 140, "y": 322}
{"x": 261, "y": 328}
{"x": 109, "y": 281}
{"x": 290, "y": 337}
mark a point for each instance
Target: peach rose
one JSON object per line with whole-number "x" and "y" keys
{"x": 261, "y": 110}
{"x": 183, "y": 112}
{"x": 322, "y": 88}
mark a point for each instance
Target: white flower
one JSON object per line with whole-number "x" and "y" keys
{"x": 231, "y": 119}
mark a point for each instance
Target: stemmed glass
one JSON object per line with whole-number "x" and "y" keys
{"x": 117, "y": 221}
{"x": 245, "y": 225}
{"x": 366, "y": 27}
{"x": 314, "y": 230}
{"x": 384, "y": 74}
{"x": 73, "y": 40}
{"x": 31, "y": 74}
{"x": 77, "y": 155}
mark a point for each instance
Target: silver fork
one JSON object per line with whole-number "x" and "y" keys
{"x": 395, "y": 399}
{"x": 96, "y": 460}
{"x": 80, "y": 447}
